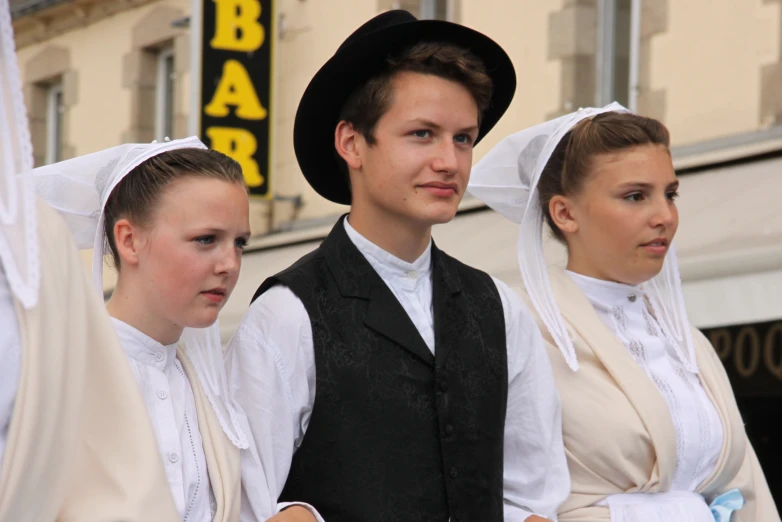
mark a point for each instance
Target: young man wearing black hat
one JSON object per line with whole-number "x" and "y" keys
{"x": 383, "y": 379}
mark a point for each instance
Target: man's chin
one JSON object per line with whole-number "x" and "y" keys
{"x": 441, "y": 213}
{"x": 443, "y": 218}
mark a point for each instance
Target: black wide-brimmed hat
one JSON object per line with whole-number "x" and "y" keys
{"x": 360, "y": 57}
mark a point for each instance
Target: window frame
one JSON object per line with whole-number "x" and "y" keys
{"x": 54, "y": 122}
{"x": 427, "y": 9}
{"x": 164, "y": 84}
{"x": 606, "y": 53}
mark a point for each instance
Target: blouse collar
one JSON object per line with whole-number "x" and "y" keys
{"x": 143, "y": 348}
{"x": 605, "y": 295}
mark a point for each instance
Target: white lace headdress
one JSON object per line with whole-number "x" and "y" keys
{"x": 506, "y": 179}
{"x": 18, "y": 234}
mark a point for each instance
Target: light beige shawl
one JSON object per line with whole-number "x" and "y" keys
{"x": 618, "y": 432}
{"x": 80, "y": 446}
{"x": 222, "y": 457}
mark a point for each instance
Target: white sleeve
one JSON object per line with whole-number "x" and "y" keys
{"x": 271, "y": 367}
{"x": 536, "y": 479}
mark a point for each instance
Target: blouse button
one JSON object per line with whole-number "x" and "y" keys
{"x": 173, "y": 458}
{"x": 162, "y": 395}
{"x": 632, "y": 298}
{"x": 158, "y": 356}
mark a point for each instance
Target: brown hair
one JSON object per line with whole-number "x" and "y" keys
{"x": 370, "y": 101}
{"x": 570, "y": 163}
{"x": 367, "y": 104}
{"x": 136, "y": 196}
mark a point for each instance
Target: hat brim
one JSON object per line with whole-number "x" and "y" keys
{"x": 320, "y": 106}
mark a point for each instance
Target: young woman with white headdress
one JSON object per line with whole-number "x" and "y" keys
{"x": 75, "y": 440}
{"x": 175, "y": 218}
{"x": 651, "y": 427}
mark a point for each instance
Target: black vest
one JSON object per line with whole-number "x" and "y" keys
{"x": 397, "y": 434}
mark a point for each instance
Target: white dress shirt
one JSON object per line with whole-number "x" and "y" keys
{"x": 171, "y": 405}
{"x": 10, "y": 360}
{"x": 699, "y": 434}
{"x": 271, "y": 363}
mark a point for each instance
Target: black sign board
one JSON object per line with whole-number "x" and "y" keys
{"x": 752, "y": 356}
{"x": 237, "y": 71}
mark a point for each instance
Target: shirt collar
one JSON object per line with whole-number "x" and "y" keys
{"x": 606, "y": 294}
{"x": 142, "y": 348}
{"x": 388, "y": 264}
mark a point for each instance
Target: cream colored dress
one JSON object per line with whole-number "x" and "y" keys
{"x": 618, "y": 431}
{"x": 80, "y": 447}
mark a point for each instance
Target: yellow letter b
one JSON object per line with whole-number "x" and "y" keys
{"x": 233, "y": 16}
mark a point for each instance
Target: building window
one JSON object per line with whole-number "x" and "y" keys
{"x": 164, "y": 94}
{"x": 426, "y": 9}
{"x": 54, "y": 112}
{"x": 618, "y": 30}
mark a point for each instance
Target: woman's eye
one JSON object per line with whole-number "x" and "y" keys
{"x": 422, "y": 133}
{"x": 673, "y": 195}
{"x": 636, "y": 196}
{"x": 241, "y": 243}
{"x": 205, "y": 240}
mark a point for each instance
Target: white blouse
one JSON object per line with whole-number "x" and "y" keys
{"x": 171, "y": 405}
{"x": 10, "y": 360}
{"x": 275, "y": 341}
{"x": 627, "y": 312}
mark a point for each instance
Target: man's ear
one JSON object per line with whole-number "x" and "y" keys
{"x": 345, "y": 141}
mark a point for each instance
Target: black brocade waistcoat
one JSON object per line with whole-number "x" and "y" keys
{"x": 397, "y": 434}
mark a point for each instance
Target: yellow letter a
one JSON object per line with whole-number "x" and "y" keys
{"x": 235, "y": 88}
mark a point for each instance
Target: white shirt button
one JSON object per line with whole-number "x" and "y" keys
{"x": 159, "y": 356}
{"x": 162, "y": 395}
{"x": 412, "y": 274}
{"x": 632, "y": 298}
{"x": 173, "y": 458}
